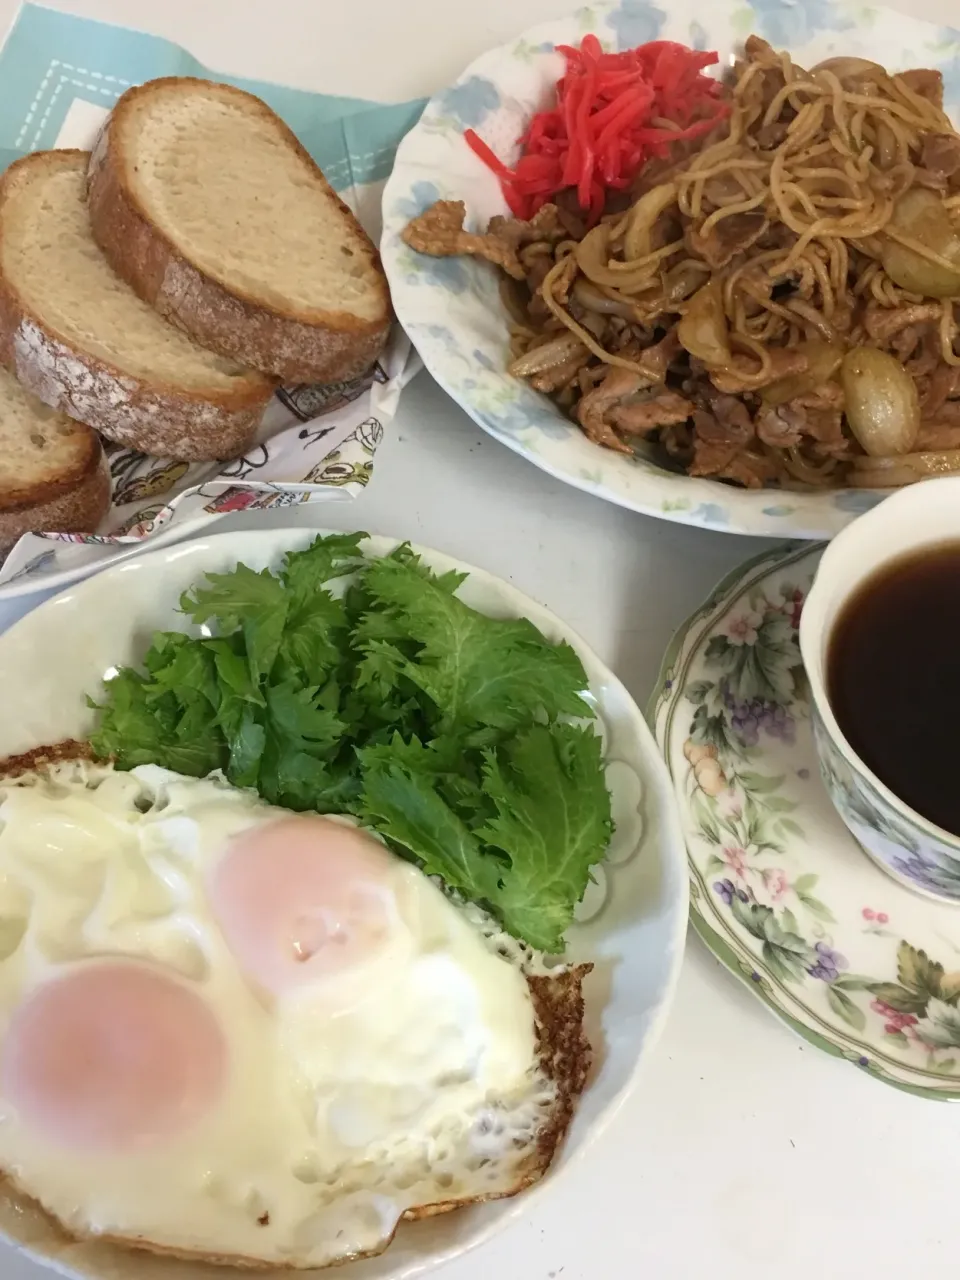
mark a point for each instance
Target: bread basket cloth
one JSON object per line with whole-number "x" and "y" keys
{"x": 59, "y": 76}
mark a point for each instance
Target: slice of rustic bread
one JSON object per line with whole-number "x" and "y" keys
{"x": 53, "y": 475}
{"x": 206, "y": 203}
{"x": 81, "y": 339}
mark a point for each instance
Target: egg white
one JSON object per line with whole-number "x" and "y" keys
{"x": 412, "y": 1081}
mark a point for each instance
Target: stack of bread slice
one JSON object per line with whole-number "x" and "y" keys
{"x": 159, "y": 290}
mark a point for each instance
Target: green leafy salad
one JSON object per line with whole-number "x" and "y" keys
{"x": 459, "y": 738}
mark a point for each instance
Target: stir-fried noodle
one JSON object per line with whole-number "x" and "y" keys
{"x": 759, "y": 301}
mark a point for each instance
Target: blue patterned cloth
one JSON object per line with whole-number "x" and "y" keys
{"x": 52, "y": 60}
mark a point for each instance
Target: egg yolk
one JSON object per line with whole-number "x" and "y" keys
{"x": 302, "y": 899}
{"x": 112, "y": 1056}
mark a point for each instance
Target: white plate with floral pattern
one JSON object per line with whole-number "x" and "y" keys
{"x": 451, "y": 308}
{"x": 781, "y": 893}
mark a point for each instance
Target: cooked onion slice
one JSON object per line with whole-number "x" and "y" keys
{"x": 703, "y": 330}
{"x": 823, "y": 361}
{"x": 891, "y": 473}
{"x": 922, "y": 218}
{"x": 593, "y": 299}
{"x": 547, "y": 356}
{"x": 637, "y": 238}
{"x": 854, "y": 73}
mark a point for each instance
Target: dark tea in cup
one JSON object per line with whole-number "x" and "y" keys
{"x": 893, "y": 678}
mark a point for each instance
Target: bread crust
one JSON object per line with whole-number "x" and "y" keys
{"x": 293, "y": 345}
{"x": 78, "y": 508}
{"x": 155, "y": 418}
{"x": 87, "y": 454}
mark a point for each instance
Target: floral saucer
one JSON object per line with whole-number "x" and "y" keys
{"x": 780, "y": 891}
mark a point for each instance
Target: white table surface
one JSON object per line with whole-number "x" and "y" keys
{"x": 743, "y": 1151}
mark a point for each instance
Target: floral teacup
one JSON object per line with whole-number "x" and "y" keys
{"x": 901, "y": 841}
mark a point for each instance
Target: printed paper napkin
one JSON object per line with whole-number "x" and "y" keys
{"x": 59, "y": 76}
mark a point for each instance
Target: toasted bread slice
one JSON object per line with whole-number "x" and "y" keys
{"x": 53, "y": 475}
{"x": 82, "y": 340}
{"x": 206, "y": 203}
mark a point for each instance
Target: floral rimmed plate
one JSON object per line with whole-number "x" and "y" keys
{"x": 451, "y": 308}
{"x": 780, "y": 891}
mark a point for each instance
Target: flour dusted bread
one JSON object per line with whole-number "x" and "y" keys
{"x": 53, "y": 475}
{"x": 81, "y": 339}
{"x": 206, "y": 203}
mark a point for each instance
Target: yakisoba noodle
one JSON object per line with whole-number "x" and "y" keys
{"x": 723, "y": 314}
{"x": 801, "y": 180}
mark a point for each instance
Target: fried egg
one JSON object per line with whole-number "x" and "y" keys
{"x": 233, "y": 1032}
